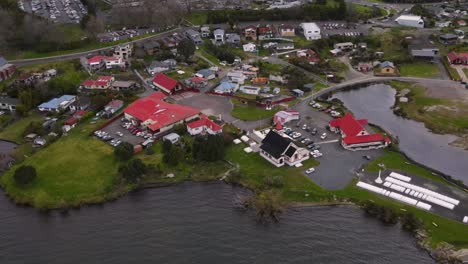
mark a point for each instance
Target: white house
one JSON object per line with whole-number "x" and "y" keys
{"x": 250, "y": 89}
{"x": 279, "y": 150}
{"x": 236, "y": 77}
{"x": 203, "y": 126}
{"x": 344, "y": 46}
{"x": 250, "y": 47}
{"x": 218, "y": 36}
{"x": 410, "y": 21}
{"x": 310, "y": 30}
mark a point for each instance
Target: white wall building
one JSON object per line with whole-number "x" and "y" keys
{"x": 250, "y": 47}
{"x": 310, "y": 30}
{"x": 410, "y": 21}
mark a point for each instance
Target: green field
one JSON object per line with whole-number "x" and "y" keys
{"x": 197, "y": 18}
{"x": 14, "y": 132}
{"x": 250, "y": 112}
{"x": 74, "y": 170}
{"x": 419, "y": 69}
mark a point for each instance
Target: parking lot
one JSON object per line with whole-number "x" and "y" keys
{"x": 61, "y": 11}
{"x": 116, "y": 133}
{"x": 342, "y": 28}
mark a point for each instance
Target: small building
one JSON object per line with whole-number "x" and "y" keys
{"x": 81, "y": 103}
{"x": 443, "y": 24}
{"x": 218, "y": 36}
{"x": 308, "y": 54}
{"x": 426, "y": 51}
{"x": 387, "y": 68}
{"x": 249, "y": 47}
{"x": 266, "y": 32}
{"x": 205, "y": 31}
{"x": 457, "y": 58}
{"x": 286, "y": 31}
{"x": 50, "y": 73}
{"x": 279, "y": 150}
{"x": 203, "y": 126}
{"x": 236, "y": 77}
{"x": 151, "y": 47}
{"x": 310, "y": 31}
{"x": 336, "y": 52}
{"x": 364, "y": 67}
{"x": 448, "y": 39}
{"x": 157, "y": 67}
{"x": 410, "y": 21}
{"x": 166, "y": 83}
{"x": 345, "y": 46}
{"x": 226, "y": 87}
{"x": 297, "y": 92}
{"x": 113, "y": 107}
{"x": 247, "y": 89}
{"x": 196, "y": 82}
{"x": 123, "y": 51}
{"x": 362, "y": 45}
{"x": 277, "y": 78}
{"x": 276, "y": 90}
{"x": 355, "y": 136}
{"x": 101, "y": 83}
{"x": 461, "y": 23}
{"x": 57, "y": 104}
{"x": 233, "y": 39}
{"x": 260, "y": 81}
{"x": 285, "y": 116}
{"x": 172, "y": 137}
{"x": 194, "y": 36}
{"x": 6, "y": 69}
{"x": 250, "y": 33}
{"x": 285, "y": 46}
{"x": 124, "y": 85}
{"x": 207, "y": 74}
{"x": 308, "y": 87}
{"x": 8, "y": 103}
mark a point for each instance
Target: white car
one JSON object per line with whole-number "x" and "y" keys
{"x": 310, "y": 170}
{"x": 323, "y": 136}
{"x": 304, "y": 127}
{"x": 297, "y": 135}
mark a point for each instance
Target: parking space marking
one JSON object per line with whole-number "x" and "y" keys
{"x": 327, "y": 142}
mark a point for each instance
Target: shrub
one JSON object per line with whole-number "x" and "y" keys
{"x": 133, "y": 170}
{"x": 25, "y": 175}
{"x": 274, "y": 181}
{"x": 124, "y": 151}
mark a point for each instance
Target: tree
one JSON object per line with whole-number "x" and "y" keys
{"x": 94, "y": 25}
{"x": 186, "y": 48}
{"x": 133, "y": 170}
{"x": 172, "y": 154}
{"x": 124, "y": 151}
{"x": 25, "y": 175}
{"x": 210, "y": 148}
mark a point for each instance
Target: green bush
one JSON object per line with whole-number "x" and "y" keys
{"x": 25, "y": 175}
{"x": 124, "y": 151}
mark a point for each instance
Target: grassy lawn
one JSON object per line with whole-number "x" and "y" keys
{"x": 465, "y": 71}
{"x": 197, "y": 18}
{"x": 451, "y": 71}
{"x": 74, "y": 170}
{"x": 419, "y": 69}
{"x": 69, "y": 73}
{"x": 250, "y": 112}
{"x": 14, "y": 132}
{"x": 442, "y": 116}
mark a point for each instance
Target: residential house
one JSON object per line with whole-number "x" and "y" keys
{"x": 81, "y": 103}
{"x": 24, "y": 79}
{"x": 362, "y": 45}
{"x": 206, "y": 74}
{"x": 278, "y": 78}
{"x": 236, "y": 77}
{"x": 457, "y": 58}
{"x": 448, "y": 39}
{"x": 461, "y": 23}
{"x": 309, "y": 55}
{"x": 57, "y": 104}
{"x": 249, "y": 47}
{"x": 308, "y": 87}
{"x": 410, "y": 21}
{"x": 285, "y": 116}
{"x": 443, "y": 24}
{"x": 310, "y": 31}
{"x": 152, "y": 47}
{"x": 285, "y": 46}
{"x": 155, "y": 115}
{"x": 123, "y": 51}
{"x": 354, "y": 136}
{"x": 196, "y": 82}
{"x": 250, "y": 33}
{"x": 50, "y": 73}
{"x": 101, "y": 83}
{"x": 297, "y": 92}
{"x": 386, "y": 68}
{"x": 345, "y": 46}
{"x": 260, "y": 81}
{"x": 113, "y": 107}
{"x": 266, "y": 32}
{"x": 124, "y": 85}
{"x": 204, "y": 126}
{"x": 194, "y": 36}
{"x": 99, "y": 62}
{"x": 364, "y": 67}
{"x": 226, "y": 87}
{"x": 426, "y": 50}
{"x": 205, "y": 31}
{"x": 218, "y": 36}
{"x": 166, "y": 83}
{"x": 157, "y": 67}
{"x": 8, "y": 103}
{"x": 279, "y": 150}
{"x": 247, "y": 89}
{"x": 6, "y": 69}
{"x": 233, "y": 39}
{"x": 286, "y": 31}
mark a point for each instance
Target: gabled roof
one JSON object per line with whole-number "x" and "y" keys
{"x": 290, "y": 151}
{"x": 349, "y": 125}
{"x": 387, "y": 64}
{"x": 164, "y": 81}
{"x": 363, "y": 139}
{"x": 3, "y": 61}
{"x": 204, "y": 122}
{"x": 274, "y": 144}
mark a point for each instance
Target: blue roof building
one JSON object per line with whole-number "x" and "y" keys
{"x": 226, "y": 87}
{"x": 57, "y": 104}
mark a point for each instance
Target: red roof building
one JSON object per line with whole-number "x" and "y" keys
{"x": 166, "y": 83}
{"x": 457, "y": 58}
{"x": 156, "y": 115}
{"x": 102, "y": 82}
{"x": 354, "y": 134}
{"x": 202, "y": 126}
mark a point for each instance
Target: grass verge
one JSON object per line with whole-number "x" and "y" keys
{"x": 419, "y": 69}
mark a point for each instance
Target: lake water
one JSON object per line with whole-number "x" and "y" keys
{"x": 374, "y": 102}
{"x": 197, "y": 223}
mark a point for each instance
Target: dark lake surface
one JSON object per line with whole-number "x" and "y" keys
{"x": 432, "y": 150}
{"x": 197, "y": 223}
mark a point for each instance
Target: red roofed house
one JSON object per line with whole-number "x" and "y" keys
{"x": 355, "y": 136}
{"x": 285, "y": 116}
{"x": 166, "y": 84}
{"x": 457, "y": 58}
{"x": 266, "y": 32}
{"x": 98, "y": 62}
{"x": 310, "y": 55}
{"x": 250, "y": 33}
{"x": 286, "y": 31}
{"x": 102, "y": 82}
{"x": 204, "y": 126}
{"x": 156, "y": 115}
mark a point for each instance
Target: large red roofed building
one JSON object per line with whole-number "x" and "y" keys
{"x": 354, "y": 134}
{"x": 457, "y": 58}
{"x": 166, "y": 83}
{"x": 156, "y": 115}
{"x": 204, "y": 126}
{"x": 102, "y": 82}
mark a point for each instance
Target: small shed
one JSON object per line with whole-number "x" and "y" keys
{"x": 172, "y": 137}
{"x": 309, "y": 86}
{"x": 298, "y": 92}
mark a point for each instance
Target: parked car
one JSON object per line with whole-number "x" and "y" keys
{"x": 323, "y": 136}
{"x": 314, "y": 131}
{"x": 304, "y": 127}
{"x": 310, "y": 170}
